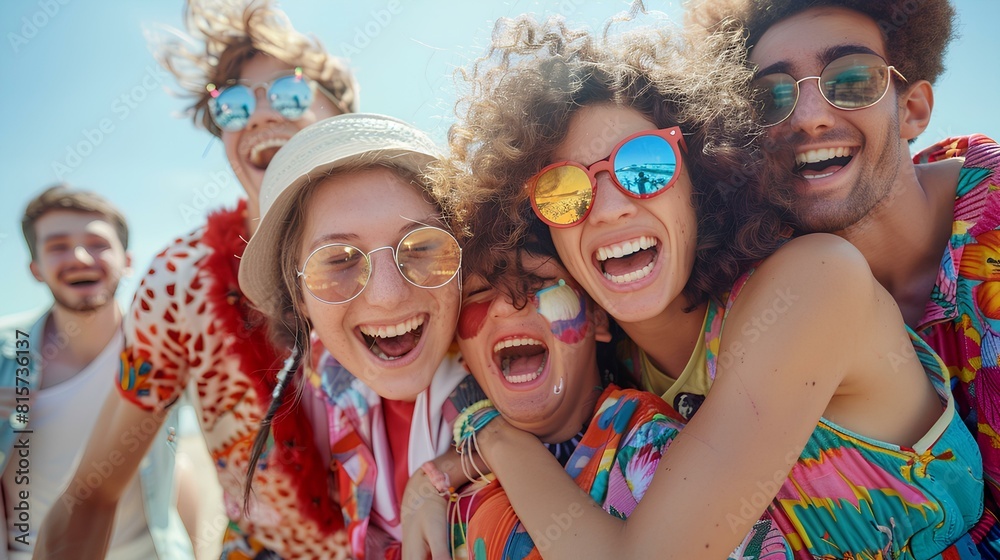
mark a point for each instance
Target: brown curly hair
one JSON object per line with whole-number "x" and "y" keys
{"x": 225, "y": 34}
{"x": 519, "y": 101}
{"x": 916, "y": 32}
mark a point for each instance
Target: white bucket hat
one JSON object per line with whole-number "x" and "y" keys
{"x": 313, "y": 152}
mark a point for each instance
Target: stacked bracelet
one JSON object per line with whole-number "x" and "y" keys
{"x": 472, "y": 419}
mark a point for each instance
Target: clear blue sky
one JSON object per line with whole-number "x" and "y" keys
{"x": 68, "y": 71}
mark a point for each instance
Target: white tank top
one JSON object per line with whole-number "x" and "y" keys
{"x": 62, "y": 417}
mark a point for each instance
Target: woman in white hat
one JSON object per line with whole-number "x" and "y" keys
{"x": 352, "y": 246}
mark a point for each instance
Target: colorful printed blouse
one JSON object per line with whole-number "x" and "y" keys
{"x": 191, "y": 330}
{"x": 614, "y": 461}
{"x": 962, "y": 319}
{"x": 850, "y": 496}
{"x": 360, "y": 451}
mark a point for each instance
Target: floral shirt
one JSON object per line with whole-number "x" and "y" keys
{"x": 962, "y": 319}
{"x": 190, "y": 329}
{"x": 614, "y": 461}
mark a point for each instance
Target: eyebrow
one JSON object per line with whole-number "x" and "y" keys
{"x": 825, "y": 57}
{"x": 409, "y": 226}
{"x": 55, "y": 237}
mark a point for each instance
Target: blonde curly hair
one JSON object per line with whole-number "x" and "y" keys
{"x": 516, "y": 108}
{"x": 224, "y": 34}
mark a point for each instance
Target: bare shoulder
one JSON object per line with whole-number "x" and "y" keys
{"x": 818, "y": 261}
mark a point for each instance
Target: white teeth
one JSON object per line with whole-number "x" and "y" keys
{"x": 270, "y": 143}
{"x": 512, "y": 342}
{"x": 523, "y": 378}
{"x": 392, "y": 330}
{"x": 631, "y": 276}
{"x": 625, "y": 248}
{"x": 821, "y": 154}
{"x": 505, "y": 361}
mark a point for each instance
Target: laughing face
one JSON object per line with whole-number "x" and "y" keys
{"x": 633, "y": 256}
{"x": 537, "y": 364}
{"x": 80, "y": 258}
{"x": 394, "y": 335}
{"x": 250, "y": 150}
{"x": 847, "y": 160}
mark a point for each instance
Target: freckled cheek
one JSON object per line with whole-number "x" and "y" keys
{"x": 472, "y": 318}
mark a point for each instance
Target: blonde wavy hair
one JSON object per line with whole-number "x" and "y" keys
{"x": 224, "y": 34}
{"x": 515, "y": 109}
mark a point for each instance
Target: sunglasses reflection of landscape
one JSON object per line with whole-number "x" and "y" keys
{"x": 643, "y": 166}
{"x": 289, "y": 96}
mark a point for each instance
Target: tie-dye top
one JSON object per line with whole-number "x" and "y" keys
{"x": 850, "y": 496}
{"x": 962, "y": 318}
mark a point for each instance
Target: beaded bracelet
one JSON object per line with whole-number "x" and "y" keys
{"x": 471, "y": 420}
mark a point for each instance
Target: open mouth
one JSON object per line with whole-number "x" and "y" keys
{"x": 817, "y": 164}
{"x": 394, "y": 341}
{"x": 628, "y": 261}
{"x": 520, "y": 359}
{"x": 263, "y": 152}
{"x": 81, "y": 280}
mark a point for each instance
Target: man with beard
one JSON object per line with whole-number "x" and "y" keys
{"x": 56, "y": 373}
{"x": 845, "y": 87}
{"x": 253, "y": 81}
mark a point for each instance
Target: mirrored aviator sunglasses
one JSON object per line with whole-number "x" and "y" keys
{"x": 642, "y": 165}
{"x": 427, "y": 257}
{"x": 231, "y": 107}
{"x": 851, "y": 82}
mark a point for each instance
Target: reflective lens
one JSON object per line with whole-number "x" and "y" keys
{"x": 231, "y": 107}
{"x": 427, "y": 257}
{"x": 290, "y": 96}
{"x": 645, "y": 165}
{"x": 777, "y": 94}
{"x": 642, "y": 166}
{"x": 851, "y": 82}
{"x": 855, "y": 81}
{"x": 563, "y": 194}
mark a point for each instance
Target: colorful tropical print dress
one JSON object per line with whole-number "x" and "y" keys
{"x": 852, "y": 497}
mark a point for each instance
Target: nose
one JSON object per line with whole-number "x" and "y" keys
{"x": 610, "y": 203}
{"x": 263, "y": 114}
{"x": 81, "y": 254}
{"x": 812, "y": 113}
{"x": 502, "y": 306}
{"x": 386, "y": 286}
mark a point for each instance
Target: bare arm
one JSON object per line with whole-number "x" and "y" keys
{"x": 766, "y": 400}
{"x": 80, "y": 522}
